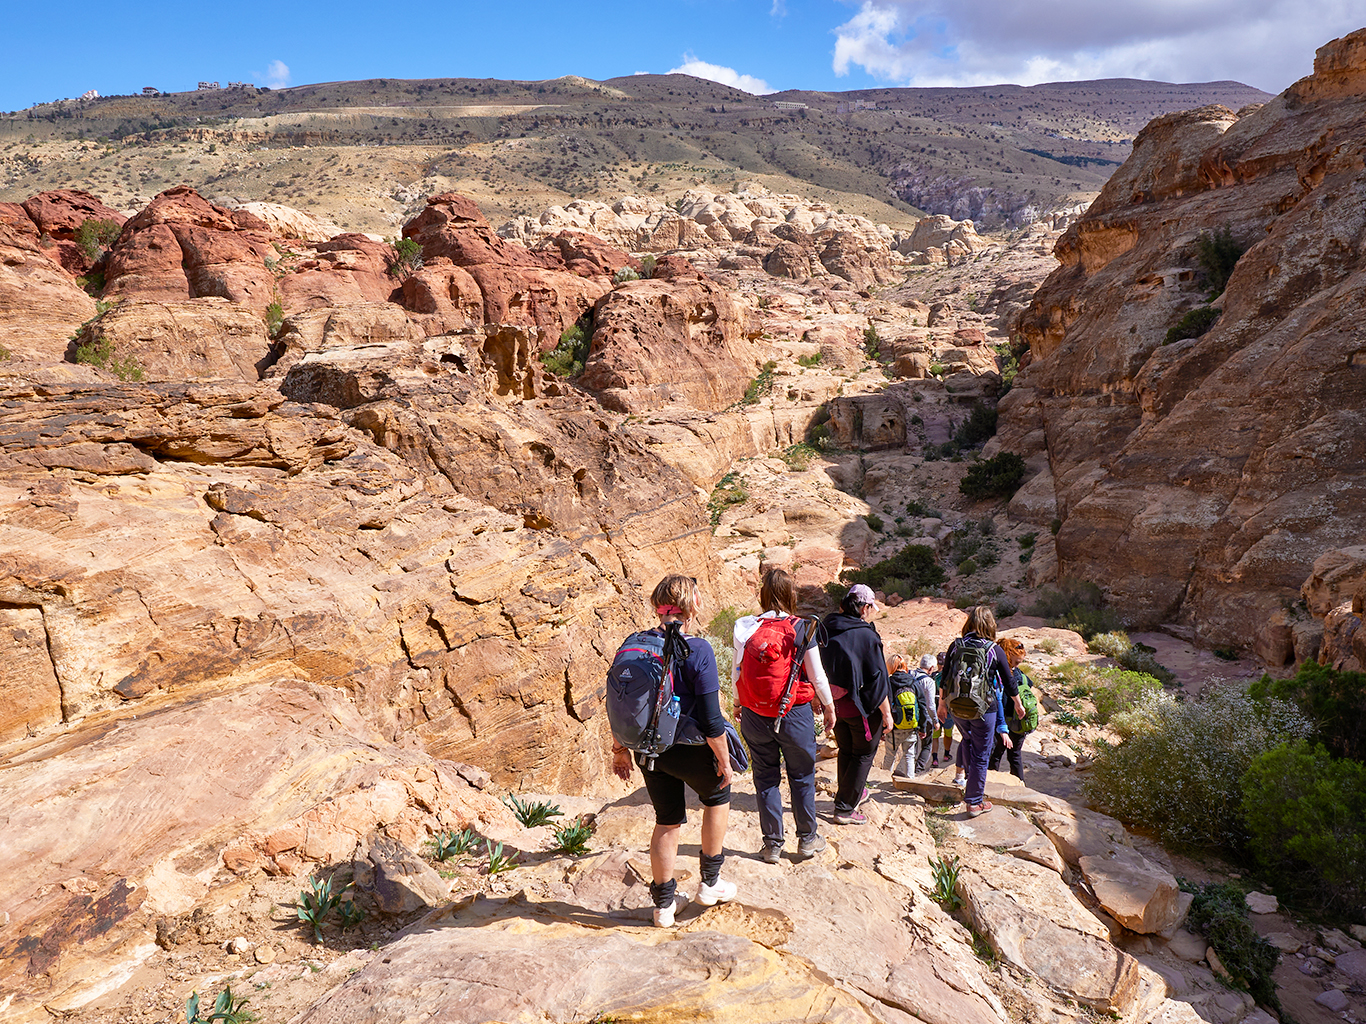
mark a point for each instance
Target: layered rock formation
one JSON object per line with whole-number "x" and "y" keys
{"x": 1200, "y": 479}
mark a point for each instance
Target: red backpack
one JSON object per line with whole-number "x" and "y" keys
{"x": 770, "y": 669}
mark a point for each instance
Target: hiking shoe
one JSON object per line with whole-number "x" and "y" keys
{"x": 960, "y": 780}
{"x": 772, "y": 853}
{"x": 976, "y": 809}
{"x": 809, "y": 846}
{"x": 853, "y": 817}
{"x": 934, "y": 761}
{"x": 664, "y": 916}
{"x": 862, "y": 797}
{"x": 710, "y": 895}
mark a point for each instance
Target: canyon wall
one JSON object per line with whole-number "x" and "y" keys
{"x": 1198, "y": 480}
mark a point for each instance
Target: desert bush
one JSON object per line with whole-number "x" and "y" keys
{"x": 101, "y": 353}
{"x": 997, "y": 477}
{"x": 914, "y": 563}
{"x": 1193, "y": 324}
{"x": 798, "y": 456}
{"x": 979, "y": 427}
{"x": 1219, "y": 913}
{"x": 1130, "y": 655}
{"x": 567, "y": 358}
{"x": 760, "y": 386}
{"x": 407, "y": 258}
{"x": 1179, "y": 770}
{"x": 916, "y": 507}
{"x": 1112, "y": 645}
{"x": 647, "y": 266}
{"x": 729, "y": 491}
{"x": 1120, "y": 690}
{"x": 1334, "y": 701}
{"x": 967, "y": 567}
{"x": 874, "y": 522}
{"x": 1006, "y": 607}
{"x": 1076, "y": 605}
{"x": 1217, "y": 253}
{"x": 810, "y": 360}
{"x": 625, "y": 274}
{"x": 93, "y": 235}
{"x": 275, "y": 318}
{"x": 1306, "y": 814}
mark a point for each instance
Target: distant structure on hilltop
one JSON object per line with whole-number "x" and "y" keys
{"x": 150, "y": 90}
{"x": 207, "y": 87}
{"x": 90, "y": 94}
{"x": 788, "y": 105}
{"x": 237, "y": 85}
{"x": 848, "y": 108}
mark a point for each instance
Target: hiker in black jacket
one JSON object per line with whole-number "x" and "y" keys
{"x": 855, "y": 664}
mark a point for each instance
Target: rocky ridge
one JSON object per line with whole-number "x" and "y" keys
{"x": 1202, "y": 478}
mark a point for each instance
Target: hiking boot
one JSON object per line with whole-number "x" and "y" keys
{"x": 850, "y": 818}
{"x": 809, "y": 846}
{"x": 710, "y": 895}
{"x": 664, "y": 916}
{"x": 960, "y": 780}
{"x": 772, "y": 853}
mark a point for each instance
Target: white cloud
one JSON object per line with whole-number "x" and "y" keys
{"x": 1264, "y": 43}
{"x": 275, "y": 76}
{"x": 726, "y": 76}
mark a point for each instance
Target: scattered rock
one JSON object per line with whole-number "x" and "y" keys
{"x": 1284, "y": 941}
{"x": 1334, "y": 1000}
{"x": 265, "y": 954}
{"x": 1262, "y": 903}
{"x": 1188, "y": 946}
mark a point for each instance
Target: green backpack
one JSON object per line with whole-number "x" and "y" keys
{"x": 1030, "y": 722}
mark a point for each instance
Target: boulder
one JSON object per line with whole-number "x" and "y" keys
{"x": 659, "y": 342}
{"x": 1133, "y": 890}
{"x": 194, "y": 339}
{"x": 41, "y": 305}
{"x": 396, "y": 879}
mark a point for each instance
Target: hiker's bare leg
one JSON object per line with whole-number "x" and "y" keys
{"x": 664, "y": 850}
{"x": 714, "y": 820}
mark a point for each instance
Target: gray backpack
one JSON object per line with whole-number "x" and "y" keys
{"x": 971, "y": 694}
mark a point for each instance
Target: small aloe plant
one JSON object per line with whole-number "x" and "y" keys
{"x": 316, "y": 905}
{"x": 446, "y": 845}
{"x": 498, "y": 861}
{"x": 572, "y": 838}
{"x": 945, "y": 871}
{"x": 226, "y": 1009}
{"x": 351, "y": 914}
{"x": 532, "y": 814}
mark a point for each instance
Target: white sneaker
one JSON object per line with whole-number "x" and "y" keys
{"x": 710, "y": 895}
{"x": 664, "y": 916}
{"x": 960, "y": 780}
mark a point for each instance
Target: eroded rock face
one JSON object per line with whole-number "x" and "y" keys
{"x": 204, "y": 338}
{"x": 40, "y": 303}
{"x": 658, "y": 343}
{"x": 1201, "y": 479}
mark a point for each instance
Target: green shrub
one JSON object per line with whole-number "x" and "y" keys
{"x": 625, "y": 274}
{"x": 874, "y": 522}
{"x": 227, "y": 1009}
{"x": 810, "y": 360}
{"x": 5, "y": 354}
{"x": 101, "y": 353}
{"x": 1027, "y": 539}
{"x": 407, "y": 258}
{"x": 1193, "y": 324}
{"x": 729, "y": 491}
{"x": 760, "y": 386}
{"x": 1180, "y": 768}
{"x": 1306, "y": 812}
{"x": 915, "y": 563}
{"x": 979, "y": 427}
{"x": 568, "y": 357}
{"x": 1217, "y": 254}
{"x": 1120, "y": 691}
{"x": 275, "y": 318}
{"x": 1006, "y": 607}
{"x": 1334, "y": 701}
{"x": 798, "y": 456}
{"x": 916, "y": 507}
{"x": 92, "y": 283}
{"x": 647, "y": 266}
{"x": 1112, "y": 645}
{"x": 1219, "y": 913}
{"x": 871, "y": 341}
{"x": 93, "y": 235}
{"x": 1135, "y": 657}
{"x": 997, "y": 477}
{"x": 572, "y": 837}
{"x": 1076, "y": 605}
{"x": 967, "y": 567}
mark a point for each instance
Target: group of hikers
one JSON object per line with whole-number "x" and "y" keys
{"x": 664, "y": 707}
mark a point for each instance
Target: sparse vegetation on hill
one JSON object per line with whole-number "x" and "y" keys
{"x": 997, "y": 477}
{"x": 910, "y": 570}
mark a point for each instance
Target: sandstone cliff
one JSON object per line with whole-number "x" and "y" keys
{"x": 1200, "y": 479}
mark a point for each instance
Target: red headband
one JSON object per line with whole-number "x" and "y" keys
{"x": 669, "y": 609}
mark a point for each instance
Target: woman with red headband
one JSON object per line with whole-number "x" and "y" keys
{"x": 703, "y": 768}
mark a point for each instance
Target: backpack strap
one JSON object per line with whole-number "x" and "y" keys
{"x": 673, "y": 641}
{"x": 804, "y": 637}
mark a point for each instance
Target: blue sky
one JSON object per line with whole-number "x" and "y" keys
{"x": 760, "y": 45}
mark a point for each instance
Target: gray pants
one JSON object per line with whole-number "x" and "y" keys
{"x": 910, "y": 754}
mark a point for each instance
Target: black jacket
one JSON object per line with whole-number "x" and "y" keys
{"x": 852, "y": 656}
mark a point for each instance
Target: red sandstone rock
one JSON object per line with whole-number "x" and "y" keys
{"x": 344, "y": 270}
{"x": 452, "y": 226}
{"x": 657, "y": 343}
{"x": 60, "y": 212}
{"x": 40, "y": 303}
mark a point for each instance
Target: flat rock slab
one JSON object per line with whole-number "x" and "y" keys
{"x": 930, "y": 986}
{"x": 515, "y": 965}
{"x": 1353, "y": 964}
{"x": 1261, "y": 903}
{"x": 1005, "y": 829}
{"x": 936, "y": 785}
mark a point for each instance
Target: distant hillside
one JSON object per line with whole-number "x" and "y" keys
{"x": 357, "y": 152}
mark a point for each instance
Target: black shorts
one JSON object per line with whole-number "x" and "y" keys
{"x": 690, "y": 764}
